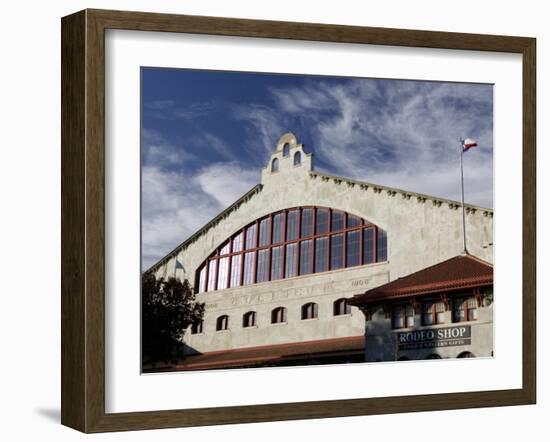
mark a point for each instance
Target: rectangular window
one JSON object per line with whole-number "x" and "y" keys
{"x": 472, "y": 309}
{"x": 353, "y": 221}
{"x": 238, "y": 242}
{"x": 202, "y": 280}
{"x": 291, "y": 262}
{"x": 223, "y": 273}
{"x": 353, "y": 248}
{"x": 307, "y": 222}
{"x": 251, "y": 237}
{"x": 458, "y": 310}
{"x": 292, "y": 225}
{"x": 439, "y": 313}
{"x": 433, "y": 312}
{"x": 398, "y": 316}
{"x": 381, "y": 245}
{"x": 336, "y": 251}
{"x": 305, "y": 257}
{"x": 337, "y": 222}
{"x": 464, "y": 309}
{"x": 262, "y": 271}
{"x": 321, "y": 245}
{"x": 212, "y": 275}
{"x": 277, "y": 263}
{"x": 368, "y": 246}
{"x": 265, "y": 226}
{"x": 427, "y": 313}
{"x": 321, "y": 221}
{"x": 235, "y": 270}
{"x": 248, "y": 277}
{"x": 278, "y": 228}
{"x": 409, "y": 312}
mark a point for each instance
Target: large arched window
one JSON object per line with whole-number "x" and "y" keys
{"x": 310, "y": 310}
{"x": 289, "y": 243}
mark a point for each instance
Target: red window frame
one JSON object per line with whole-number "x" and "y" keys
{"x": 434, "y": 312}
{"x": 403, "y": 317}
{"x": 208, "y": 283}
{"x": 465, "y": 308}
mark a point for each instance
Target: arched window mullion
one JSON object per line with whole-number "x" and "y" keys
{"x": 243, "y": 252}
{"x": 206, "y": 274}
{"x": 298, "y": 241}
{"x": 361, "y": 234}
{"x": 229, "y": 262}
{"x": 313, "y": 240}
{"x": 269, "y": 246}
{"x": 283, "y": 245}
{"x": 256, "y": 253}
{"x": 375, "y": 242}
{"x": 312, "y": 233}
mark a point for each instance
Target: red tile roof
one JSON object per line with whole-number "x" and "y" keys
{"x": 460, "y": 272}
{"x": 270, "y": 353}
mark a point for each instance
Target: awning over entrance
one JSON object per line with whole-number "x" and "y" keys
{"x": 457, "y": 273}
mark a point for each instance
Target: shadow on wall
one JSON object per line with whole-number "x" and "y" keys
{"x": 383, "y": 339}
{"x": 51, "y": 414}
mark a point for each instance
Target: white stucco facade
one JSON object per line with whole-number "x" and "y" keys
{"x": 421, "y": 231}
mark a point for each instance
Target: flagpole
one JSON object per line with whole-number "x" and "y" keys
{"x": 462, "y": 188}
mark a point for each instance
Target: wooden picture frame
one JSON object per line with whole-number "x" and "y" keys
{"x": 83, "y": 220}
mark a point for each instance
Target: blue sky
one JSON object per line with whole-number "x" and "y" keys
{"x": 207, "y": 134}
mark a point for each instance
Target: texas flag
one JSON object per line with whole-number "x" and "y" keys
{"x": 467, "y": 144}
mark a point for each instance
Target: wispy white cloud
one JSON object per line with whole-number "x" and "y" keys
{"x": 400, "y": 134}
{"x": 156, "y": 150}
{"x": 404, "y": 135}
{"x": 176, "y": 201}
{"x": 169, "y": 109}
{"x": 264, "y": 124}
{"x": 210, "y": 141}
{"x": 160, "y": 105}
{"x": 226, "y": 182}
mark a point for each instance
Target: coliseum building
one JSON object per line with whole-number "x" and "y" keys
{"x": 279, "y": 270}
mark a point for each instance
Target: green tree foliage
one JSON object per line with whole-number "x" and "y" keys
{"x": 168, "y": 309}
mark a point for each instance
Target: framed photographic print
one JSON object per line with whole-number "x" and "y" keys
{"x": 269, "y": 220}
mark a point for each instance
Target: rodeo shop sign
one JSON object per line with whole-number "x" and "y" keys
{"x": 434, "y": 337}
